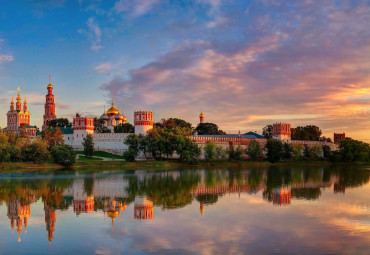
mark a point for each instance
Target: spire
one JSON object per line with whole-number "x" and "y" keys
{"x": 19, "y": 99}
{"x": 25, "y": 104}
{"x": 112, "y": 100}
{"x": 49, "y": 79}
{"x": 12, "y": 105}
{"x": 49, "y": 87}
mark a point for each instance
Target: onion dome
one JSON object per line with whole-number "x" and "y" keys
{"x": 201, "y": 115}
{"x": 118, "y": 117}
{"x": 104, "y": 116}
{"x": 124, "y": 120}
{"x": 49, "y": 86}
{"x": 113, "y": 110}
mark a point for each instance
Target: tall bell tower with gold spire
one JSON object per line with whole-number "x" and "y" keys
{"x": 49, "y": 106}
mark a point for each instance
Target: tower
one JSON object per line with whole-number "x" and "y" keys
{"x": 144, "y": 121}
{"x": 201, "y": 117}
{"x": 49, "y": 107}
{"x": 143, "y": 209}
{"x": 281, "y": 131}
{"x": 82, "y": 126}
{"x": 339, "y": 137}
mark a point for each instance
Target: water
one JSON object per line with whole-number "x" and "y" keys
{"x": 306, "y": 210}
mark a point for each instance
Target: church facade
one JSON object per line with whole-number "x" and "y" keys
{"x": 19, "y": 119}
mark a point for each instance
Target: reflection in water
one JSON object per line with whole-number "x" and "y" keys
{"x": 112, "y": 192}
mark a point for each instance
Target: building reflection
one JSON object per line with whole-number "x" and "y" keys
{"x": 143, "y": 209}
{"x": 282, "y": 196}
{"x": 113, "y": 193}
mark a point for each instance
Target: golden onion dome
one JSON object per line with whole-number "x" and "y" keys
{"x": 124, "y": 119}
{"x": 201, "y": 115}
{"x": 49, "y": 86}
{"x": 112, "y": 111}
{"x": 112, "y": 214}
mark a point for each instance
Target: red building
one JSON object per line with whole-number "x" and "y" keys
{"x": 18, "y": 119}
{"x": 339, "y": 137}
{"x": 49, "y": 107}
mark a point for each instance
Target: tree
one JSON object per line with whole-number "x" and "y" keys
{"x": 307, "y": 133}
{"x": 88, "y": 144}
{"x": 210, "y": 151}
{"x": 315, "y": 152}
{"x": 288, "y": 149}
{"x": 238, "y": 152}
{"x": 99, "y": 126}
{"x": 37, "y": 151}
{"x": 4, "y": 147}
{"x": 53, "y": 136}
{"x": 133, "y": 142}
{"x": 208, "y": 129}
{"x": 187, "y": 149}
{"x": 306, "y": 152}
{"x": 353, "y": 150}
{"x": 59, "y": 122}
{"x": 221, "y": 153}
{"x": 297, "y": 152}
{"x": 274, "y": 150}
{"x": 267, "y": 132}
{"x": 124, "y": 128}
{"x": 326, "y": 151}
{"x": 254, "y": 150}
{"x": 63, "y": 154}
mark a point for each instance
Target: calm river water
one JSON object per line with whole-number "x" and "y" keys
{"x": 304, "y": 210}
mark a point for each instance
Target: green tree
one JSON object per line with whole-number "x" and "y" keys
{"x": 307, "y": 133}
{"x": 208, "y": 129}
{"x": 254, "y": 150}
{"x": 124, "y": 128}
{"x": 99, "y": 126}
{"x": 288, "y": 150}
{"x": 89, "y": 145}
{"x": 315, "y": 152}
{"x": 132, "y": 152}
{"x": 297, "y": 152}
{"x": 60, "y": 122}
{"x": 63, "y": 154}
{"x": 326, "y": 151}
{"x": 187, "y": 150}
{"x": 267, "y": 132}
{"x": 37, "y": 151}
{"x": 210, "y": 151}
{"x": 221, "y": 153}
{"x": 274, "y": 150}
{"x": 238, "y": 152}
{"x": 353, "y": 150}
{"x": 306, "y": 152}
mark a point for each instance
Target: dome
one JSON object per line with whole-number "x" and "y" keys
{"x": 112, "y": 111}
{"x": 118, "y": 117}
{"x": 124, "y": 120}
{"x": 201, "y": 115}
{"x": 104, "y": 116}
{"x": 49, "y": 86}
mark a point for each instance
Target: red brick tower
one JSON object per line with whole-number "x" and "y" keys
{"x": 339, "y": 137}
{"x": 49, "y": 106}
{"x": 201, "y": 117}
{"x": 281, "y": 131}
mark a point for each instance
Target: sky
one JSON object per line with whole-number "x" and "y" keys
{"x": 246, "y": 64}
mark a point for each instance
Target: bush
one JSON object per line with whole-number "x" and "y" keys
{"x": 353, "y": 150}
{"x": 306, "y": 152}
{"x": 238, "y": 152}
{"x": 130, "y": 155}
{"x": 274, "y": 150}
{"x": 210, "y": 151}
{"x": 63, "y": 154}
{"x": 254, "y": 150}
{"x": 326, "y": 151}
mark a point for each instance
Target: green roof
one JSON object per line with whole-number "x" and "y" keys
{"x": 67, "y": 130}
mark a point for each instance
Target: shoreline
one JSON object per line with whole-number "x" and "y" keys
{"x": 161, "y": 165}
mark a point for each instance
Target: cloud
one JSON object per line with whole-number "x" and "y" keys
{"x": 218, "y": 21}
{"x": 94, "y": 33}
{"x": 135, "y": 7}
{"x": 308, "y": 61}
{"x": 6, "y": 58}
{"x": 103, "y": 67}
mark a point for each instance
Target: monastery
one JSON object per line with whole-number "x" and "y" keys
{"x": 18, "y": 119}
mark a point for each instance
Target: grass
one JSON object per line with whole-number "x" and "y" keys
{"x": 83, "y": 158}
{"x": 103, "y": 154}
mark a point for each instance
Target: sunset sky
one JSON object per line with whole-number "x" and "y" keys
{"x": 245, "y": 63}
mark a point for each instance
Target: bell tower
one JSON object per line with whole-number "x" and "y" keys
{"x": 49, "y": 106}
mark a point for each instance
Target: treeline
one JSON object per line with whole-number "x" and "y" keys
{"x": 22, "y": 148}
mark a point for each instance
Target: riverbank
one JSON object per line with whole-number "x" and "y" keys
{"x": 163, "y": 165}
